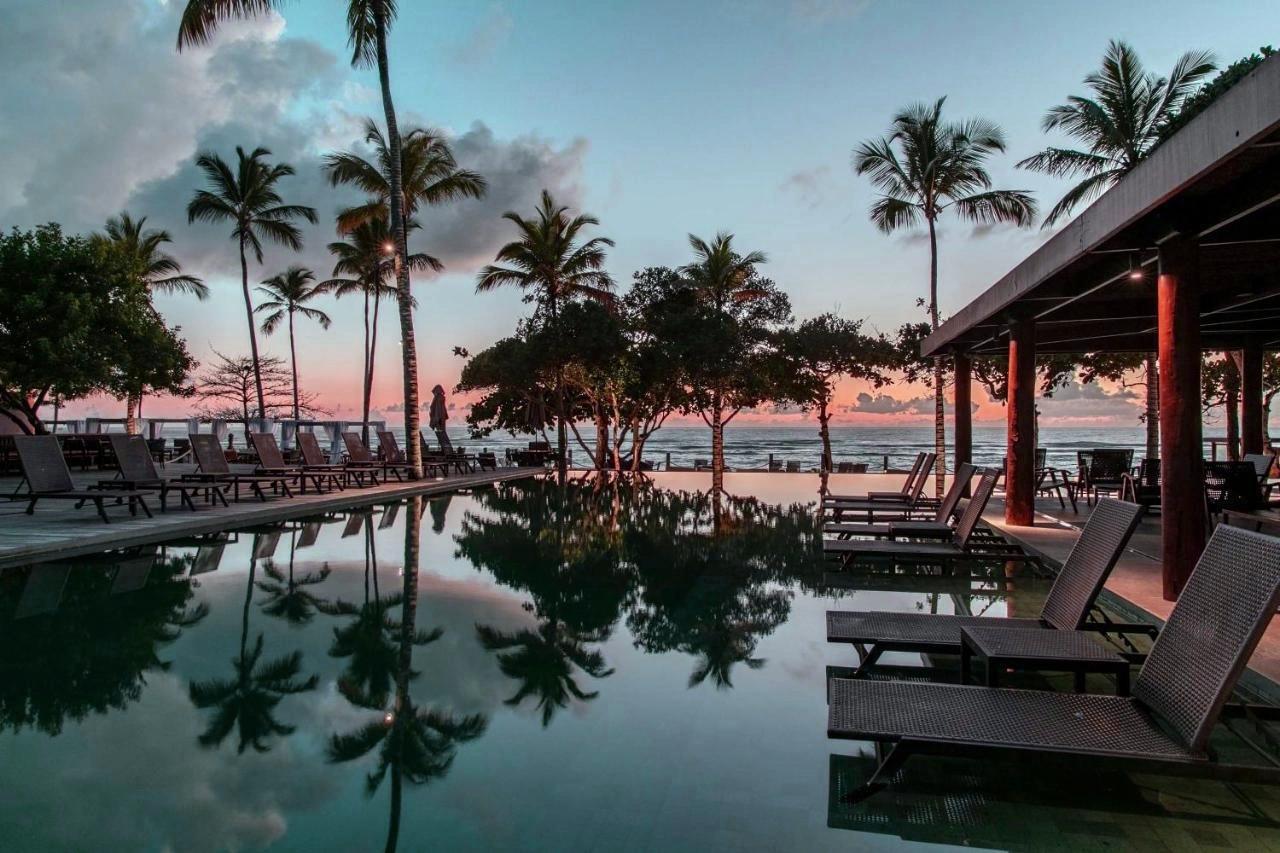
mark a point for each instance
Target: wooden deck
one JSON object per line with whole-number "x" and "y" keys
{"x": 58, "y": 529}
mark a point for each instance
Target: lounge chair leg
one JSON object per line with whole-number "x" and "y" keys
{"x": 31, "y": 507}
{"x": 891, "y": 764}
{"x": 142, "y": 502}
{"x": 868, "y": 660}
{"x": 102, "y": 510}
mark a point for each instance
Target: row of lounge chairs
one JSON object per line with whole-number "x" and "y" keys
{"x": 1161, "y": 725}
{"x": 47, "y": 475}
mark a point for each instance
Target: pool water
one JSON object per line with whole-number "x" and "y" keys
{"x": 569, "y": 667}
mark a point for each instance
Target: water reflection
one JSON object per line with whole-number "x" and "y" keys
{"x": 247, "y": 700}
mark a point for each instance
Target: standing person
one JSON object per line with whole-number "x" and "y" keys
{"x": 437, "y": 416}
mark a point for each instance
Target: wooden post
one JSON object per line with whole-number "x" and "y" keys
{"x": 964, "y": 413}
{"x": 1182, "y": 506}
{"x": 1020, "y": 476}
{"x": 1251, "y": 425}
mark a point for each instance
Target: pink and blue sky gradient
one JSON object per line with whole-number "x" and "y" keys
{"x": 661, "y": 118}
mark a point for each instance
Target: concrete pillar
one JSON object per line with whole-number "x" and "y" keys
{"x": 1182, "y": 507}
{"x": 964, "y": 411}
{"x": 1251, "y": 423}
{"x": 1020, "y": 476}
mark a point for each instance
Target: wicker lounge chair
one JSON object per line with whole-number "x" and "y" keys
{"x": 1102, "y": 470}
{"x": 314, "y": 459}
{"x": 1164, "y": 727}
{"x": 912, "y": 486}
{"x": 360, "y": 456}
{"x": 138, "y": 473}
{"x": 214, "y": 468}
{"x": 463, "y": 463}
{"x": 961, "y": 544}
{"x": 49, "y": 478}
{"x": 271, "y": 461}
{"x": 906, "y": 517}
{"x": 1066, "y": 608}
{"x": 389, "y": 451}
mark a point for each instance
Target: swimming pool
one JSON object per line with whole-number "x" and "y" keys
{"x": 573, "y": 667}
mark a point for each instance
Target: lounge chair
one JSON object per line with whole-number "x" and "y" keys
{"x": 904, "y": 517}
{"x": 960, "y": 545}
{"x": 214, "y": 469}
{"x": 911, "y": 486}
{"x": 271, "y": 462}
{"x": 138, "y": 473}
{"x": 1066, "y": 608}
{"x": 1102, "y": 470}
{"x": 389, "y": 451}
{"x": 1164, "y": 727}
{"x": 360, "y": 456}
{"x": 49, "y": 478}
{"x": 463, "y": 462}
{"x": 314, "y": 459}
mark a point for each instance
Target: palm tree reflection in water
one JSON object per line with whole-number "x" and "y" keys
{"x": 414, "y": 744}
{"x": 287, "y": 595}
{"x": 248, "y": 699}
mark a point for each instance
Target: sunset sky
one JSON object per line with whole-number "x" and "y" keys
{"x": 661, "y": 118}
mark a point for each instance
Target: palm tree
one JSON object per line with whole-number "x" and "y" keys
{"x": 542, "y": 660}
{"x": 721, "y": 277}
{"x": 549, "y": 263}
{"x": 248, "y": 198}
{"x": 924, "y": 167}
{"x": 288, "y": 294}
{"x": 367, "y": 265}
{"x": 1118, "y": 127}
{"x": 287, "y": 595}
{"x": 161, "y": 273}
{"x": 367, "y": 24}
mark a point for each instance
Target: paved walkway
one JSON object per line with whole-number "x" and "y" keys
{"x": 1136, "y": 583}
{"x": 58, "y": 529}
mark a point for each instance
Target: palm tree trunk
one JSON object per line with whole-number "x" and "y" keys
{"x": 131, "y": 413}
{"x": 939, "y": 404}
{"x": 602, "y": 438}
{"x": 399, "y": 230}
{"x": 364, "y": 379}
{"x": 253, "y": 333}
{"x": 404, "y": 668}
{"x": 717, "y": 442}
{"x": 824, "y": 431}
{"x": 293, "y": 363}
{"x": 368, "y": 379}
{"x": 1152, "y": 416}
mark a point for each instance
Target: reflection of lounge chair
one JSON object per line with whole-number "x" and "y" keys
{"x": 271, "y": 461}
{"x": 310, "y": 533}
{"x": 961, "y": 544}
{"x": 132, "y": 571}
{"x": 214, "y": 468}
{"x": 43, "y": 591}
{"x": 903, "y": 519}
{"x": 1164, "y": 727}
{"x": 208, "y": 556}
{"x": 355, "y": 523}
{"x": 1066, "y": 608}
{"x": 49, "y": 478}
{"x": 389, "y": 516}
{"x": 138, "y": 471}
{"x": 910, "y": 491}
{"x": 265, "y": 544}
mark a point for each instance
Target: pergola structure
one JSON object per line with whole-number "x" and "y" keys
{"x": 1181, "y": 256}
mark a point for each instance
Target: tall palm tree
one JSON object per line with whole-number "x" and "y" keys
{"x": 161, "y": 273}
{"x": 368, "y": 22}
{"x": 287, "y": 294}
{"x": 924, "y": 167}
{"x": 549, "y": 263}
{"x": 364, "y": 266}
{"x": 248, "y": 198}
{"x": 721, "y": 277}
{"x": 1118, "y": 125}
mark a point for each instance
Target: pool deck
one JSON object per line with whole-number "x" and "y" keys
{"x": 1135, "y": 583}
{"x": 58, "y": 530}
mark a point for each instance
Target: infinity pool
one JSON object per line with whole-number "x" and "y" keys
{"x": 576, "y": 667}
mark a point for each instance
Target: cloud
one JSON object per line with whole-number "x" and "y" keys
{"x": 808, "y": 185}
{"x": 483, "y": 41}
{"x": 1091, "y": 401}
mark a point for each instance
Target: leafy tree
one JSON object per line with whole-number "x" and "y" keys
{"x": 553, "y": 268}
{"x": 923, "y": 168}
{"x": 518, "y": 384}
{"x": 288, "y": 294}
{"x": 77, "y": 321}
{"x": 368, "y": 22}
{"x": 248, "y": 199}
{"x": 161, "y": 272}
{"x": 812, "y": 356}
{"x": 1195, "y": 103}
{"x": 1220, "y": 388}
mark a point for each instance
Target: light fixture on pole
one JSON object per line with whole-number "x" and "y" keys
{"x": 1135, "y": 268}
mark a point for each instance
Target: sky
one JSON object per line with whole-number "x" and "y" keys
{"x": 661, "y": 118}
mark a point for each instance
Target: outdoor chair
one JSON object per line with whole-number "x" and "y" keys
{"x": 1066, "y": 608}
{"x": 1163, "y": 727}
{"x": 49, "y": 478}
{"x": 1263, "y": 463}
{"x": 939, "y": 525}
{"x": 213, "y": 467}
{"x": 360, "y": 456}
{"x": 137, "y": 472}
{"x": 793, "y": 467}
{"x": 467, "y": 460}
{"x": 271, "y": 461}
{"x": 389, "y": 451}
{"x": 488, "y": 461}
{"x": 1047, "y": 479}
{"x": 1232, "y": 485}
{"x": 910, "y": 495}
{"x": 960, "y": 545}
{"x": 909, "y": 485}
{"x": 1102, "y": 470}
{"x": 314, "y": 459}
{"x": 156, "y": 447}
{"x": 1143, "y": 487}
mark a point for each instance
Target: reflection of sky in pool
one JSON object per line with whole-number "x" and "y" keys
{"x": 590, "y": 668}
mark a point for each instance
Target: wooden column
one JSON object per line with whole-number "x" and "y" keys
{"x": 1020, "y": 476}
{"x": 964, "y": 412}
{"x": 1251, "y": 418}
{"x": 1182, "y": 507}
